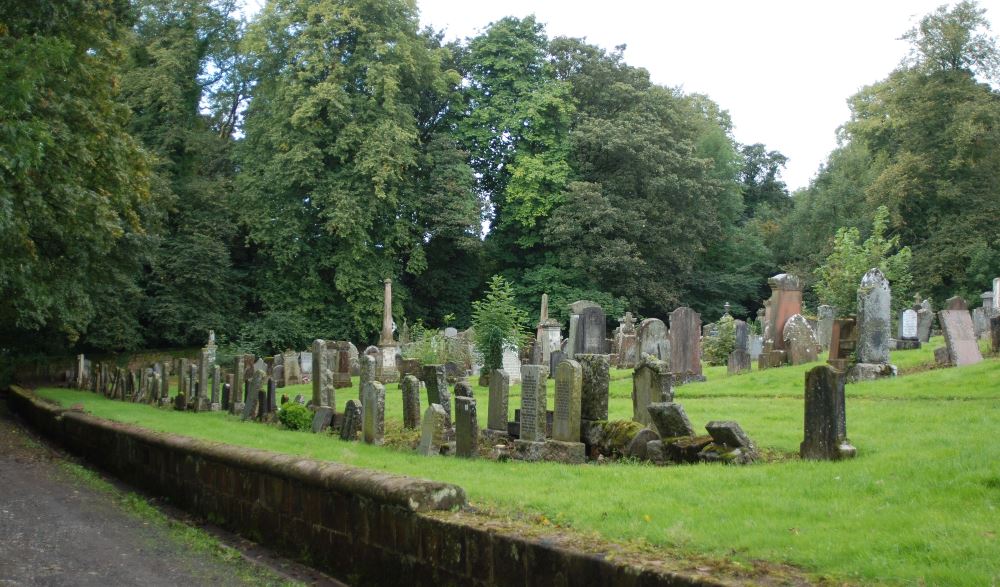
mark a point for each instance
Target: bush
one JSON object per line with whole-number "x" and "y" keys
{"x": 497, "y": 323}
{"x": 716, "y": 349}
{"x": 294, "y": 416}
{"x": 432, "y": 347}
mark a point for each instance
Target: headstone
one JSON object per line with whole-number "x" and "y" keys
{"x": 433, "y": 431}
{"x": 373, "y": 429}
{"x": 410, "y": 388}
{"x": 591, "y": 331}
{"x": 908, "y": 322}
{"x": 512, "y": 365}
{"x": 980, "y": 322}
{"x": 182, "y": 377}
{"x": 462, "y": 389}
{"x": 386, "y": 338}
{"x": 375, "y": 354}
{"x": 227, "y": 396}
{"x": 499, "y": 391}
{"x": 825, "y": 416}
{"x": 239, "y": 367}
{"x": 322, "y": 376}
{"x": 670, "y": 420}
{"x": 216, "y": 387}
{"x": 322, "y": 419}
{"x": 995, "y": 334}
{"x": 874, "y": 307}
{"x": 955, "y": 303}
{"x": 555, "y": 358}
{"x": 685, "y": 345}
{"x": 436, "y": 382}
{"x": 204, "y": 365}
{"x": 824, "y": 325}
{"x": 350, "y": 426}
{"x": 466, "y": 427}
{"x": 651, "y": 383}
{"x": 801, "y": 345}
{"x": 756, "y": 346}
{"x": 306, "y": 362}
{"x": 272, "y": 396}
{"x": 626, "y": 342}
{"x": 293, "y": 371}
{"x": 278, "y": 374}
{"x": 250, "y": 405}
{"x": 596, "y": 386}
{"x": 785, "y": 301}
{"x": 533, "y": 402}
{"x": 739, "y": 358}
{"x": 653, "y": 339}
{"x": 341, "y": 366}
{"x": 569, "y": 389}
{"x": 574, "y": 326}
{"x": 959, "y": 337}
{"x": 729, "y": 433}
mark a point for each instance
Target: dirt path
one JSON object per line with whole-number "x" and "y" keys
{"x": 56, "y": 529}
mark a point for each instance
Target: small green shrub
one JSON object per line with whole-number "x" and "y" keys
{"x": 294, "y": 416}
{"x": 716, "y": 349}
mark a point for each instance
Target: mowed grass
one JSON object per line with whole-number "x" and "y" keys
{"x": 918, "y": 505}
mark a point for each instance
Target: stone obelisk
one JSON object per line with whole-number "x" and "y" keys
{"x": 386, "y": 344}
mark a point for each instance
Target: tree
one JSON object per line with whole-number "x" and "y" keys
{"x": 74, "y": 186}
{"x": 954, "y": 40}
{"x": 838, "y": 278}
{"x": 498, "y": 323}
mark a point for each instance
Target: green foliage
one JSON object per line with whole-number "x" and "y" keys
{"x": 498, "y": 323}
{"x": 432, "y": 347}
{"x": 273, "y": 332}
{"x": 294, "y": 416}
{"x": 716, "y": 349}
{"x": 839, "y": 277}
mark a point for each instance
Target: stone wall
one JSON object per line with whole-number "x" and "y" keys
{"x": 363, "y": 527}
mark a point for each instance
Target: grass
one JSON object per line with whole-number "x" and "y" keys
{"x": 918, "y": 505}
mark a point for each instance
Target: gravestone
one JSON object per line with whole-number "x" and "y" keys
{"x": 499, "y": 391}
{"x": 373, "y": 428}
{"x": 824, "y": 325}
{"x": 250, "y": 405}
{"x": 670, "y": 420}
{"x": 466, "y": 427}
{"x": 739, "y": 359}
{"x": 591, "y": 333}
{"x": 341, "y": 367}
{"x": 801, "y": 345}
{"x": 570, "y": 342}
{"x": 825, "y": 416}
{"x": 955, "y": 303}
{"x": 204, "y": 365}
{"x": 756, "y": 346}
{"x": 533, "y": 402}
{"x": 596, "y": 383}
{"x": 322, "y": 419}
{"x": 653, "y": 339}
{"x": 322, "y": 376}
{"x": 925, "y": 320}
{"x": 410, "y": 387}
{"x": 227, "y": 396}
{"x": 350, "y": 426}
{"x": 959, "y": 337}
{"x": 555, "y": 358}
{"x": 651, "y": 383}
{"x": 278, "y": 374}
{"x": 511, "y": 363}
{"x": 239, "y": 369}
{"x": 729, "y": 444}
{"x": 873, "y": 326}
{"x": 272, "y": 396}
{"x": 995, "y": 334}
{"x": 216, "y": 403}
{"x": 568, "y": 394}
{"x": 375, "y": 354}
{"x": 182, "y": 377}
{"x": 908, "y": 333}
{"x": 436, "y": 382}
{"x": 293, "y": 371}
{"x": 685, "y": 345}
{"x": 433, "y": 431}
{"x": 786, "y": 301}
{"x": 462, "y": 389}
{"x": 305, "y": 363}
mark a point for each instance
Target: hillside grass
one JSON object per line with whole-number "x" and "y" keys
{"x": 918, "y": 505}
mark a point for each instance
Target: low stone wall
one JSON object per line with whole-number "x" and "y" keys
{"x": 363, "y": 527}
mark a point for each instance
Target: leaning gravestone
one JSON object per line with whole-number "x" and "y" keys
{"x": 596, "y": 384}
{"x": 499, "y": 392}
{"x": 825, "y": 416}
{"x": 351, "y": 424}
{"x": 801, "y": 346}
{"x": 373, "y": 427}
{"x": 434, "y": 431}
{"x": 466, "y": 427}
{"x": 651, "y": 383}
{"x": 685, "y": 345}
{"x": 959, "y": 337}
{"x": 533, "y": 403}
{"x": 653, "y": 339}
{"x": 670, "y": 420}
{"x": 410, "y": 386}
{"x": 436, "y": 382}
{"x": 321, "y": 419}
{"x": 569, "y": 388}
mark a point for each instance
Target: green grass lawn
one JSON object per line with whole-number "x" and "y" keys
{"x": 918, "y": 505}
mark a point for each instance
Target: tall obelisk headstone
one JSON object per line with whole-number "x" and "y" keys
{"x": 386, "y": 343}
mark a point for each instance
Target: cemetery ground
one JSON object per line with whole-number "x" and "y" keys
{"x": 919, "y": 504}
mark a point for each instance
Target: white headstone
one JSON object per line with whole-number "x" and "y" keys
{"x": 512, "y": 365}
{"x": 908, "y": 324}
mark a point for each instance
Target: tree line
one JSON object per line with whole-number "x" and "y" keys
{"x": 167, "y": 168}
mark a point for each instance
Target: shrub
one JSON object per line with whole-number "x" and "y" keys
{"x": 295, "y": 416}
{"x": 716, "y": 349}
{"x": 497, "y": 322}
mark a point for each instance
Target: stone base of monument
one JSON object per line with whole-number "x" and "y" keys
{"x": 838, "y": 364}
{"x": 844, "y": 450}
{"x": 769, "y": 359}
{"x": 494, "y": 436}
{"x": 236, "y": 408}
{"x": 201, "y": 404}
{"x": 685, "y": 449}
{"x": 904, "y": 344}
{"x": 870, "y": 372}
{"x": 216, "y": 407}
{"x": 558, "y": 451}
{"x": 527, "y": 450}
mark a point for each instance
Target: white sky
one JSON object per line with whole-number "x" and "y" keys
{"x": 782, "y": 68}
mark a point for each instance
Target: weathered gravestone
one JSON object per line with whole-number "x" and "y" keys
{"x": 322, "y": 376}
{"x": 825, "y": 416}
{"x": 874, "y": 328}
{"x": 216, "y": 404}
{"x": 305, "y": 363}
{"x": 685, "y": 345}
{"x": 278, "y": 375}
{"x": 729, "y": 444}
{"x": 908, "y": 337}
{"x": 374, "y": 353}
{"x": 373, "y": 428}
{"x": 204, "y": 365}
{"x": 800, "y": 342}
{"x": 555, "y": 357}
{"x": 496, "y": 419}
{"x": 250, "y": 405}
{"x": 670, "y": 420}
{"x": 511, "y": 363}
{"x": 925, "y": 320}
{"x": 533, "y": 403}
{"x": 341, "y": 363}
{"x": 739, "y": 359}
{"x": 436, "y": 382}
{"x": 350, "y": 426}
{"x": 227, "y": 396}
{"x": 466, "y": 427}
{"x": 293, "y": 369}
{"x": 652, "y": 383}
{"x": 568, "y": 397}
{"x": 463, "y": 389}
{"x": 785, "y": 301}
{"x": 653, "y": 339}
{"x": 995, "y": 334}
{"x": 433, "y": 431}
{"x": 959, "y": 337}
{"x": 410, "y": 387}
{"x": 239, "y": 384}
{"x": 596, "y": 384}
{"x": 824, "y": 325}
{"x": 322, "y": 419}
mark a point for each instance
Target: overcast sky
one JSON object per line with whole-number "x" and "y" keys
{"x": 782, "y": 68}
